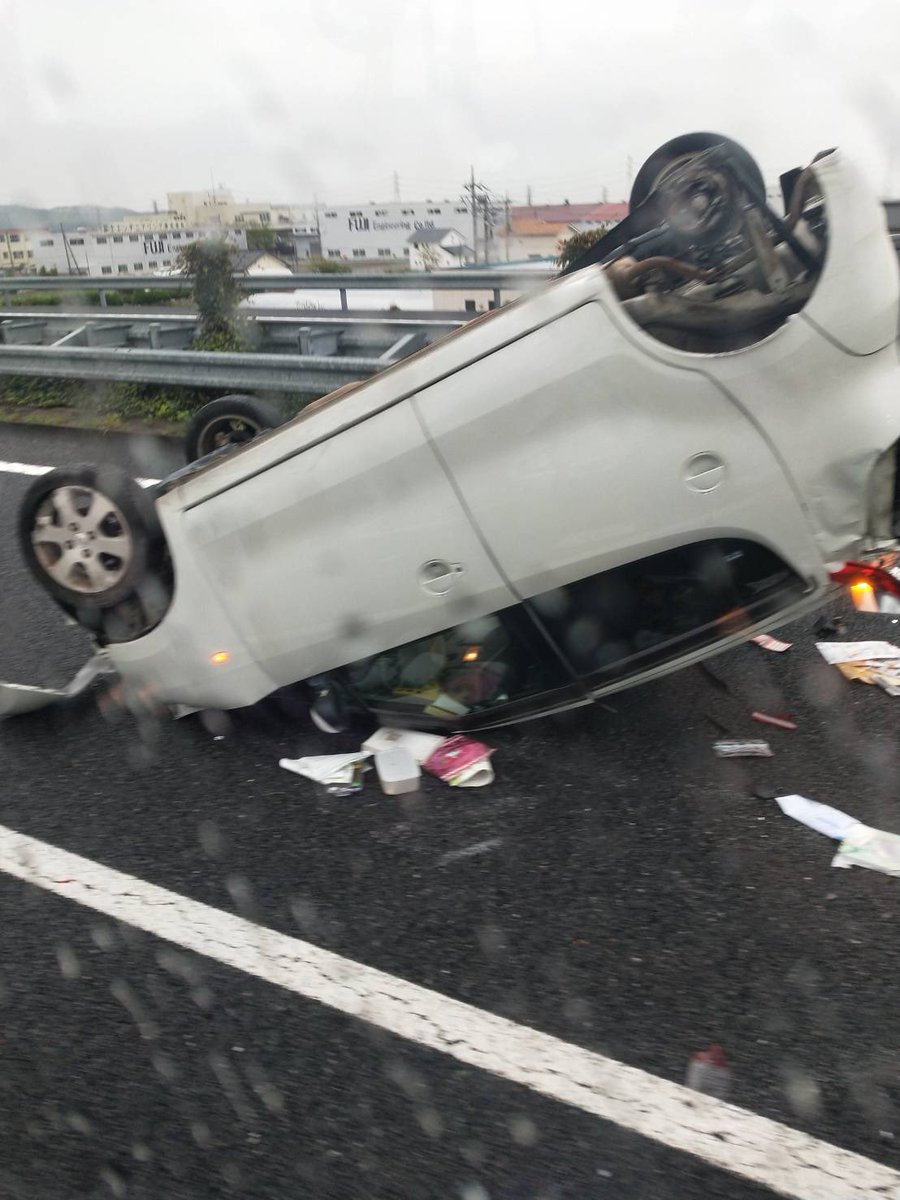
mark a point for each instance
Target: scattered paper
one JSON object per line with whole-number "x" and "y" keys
{"x": 824, "y": 819}
{"x": 885, "y": 673}
{"x": 842, "y": 652}
{"x": 871, "y": 848}
{"x": 325, "y": 768}
{"x": 770, "y": 643}
{"x": 867, "y": 662}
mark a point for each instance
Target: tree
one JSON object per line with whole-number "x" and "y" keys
{"x": 210, "y": 264}
{"x": 573, "y": 248}
{"x": 430, "y": 254}
{"x": 261, "y": 239}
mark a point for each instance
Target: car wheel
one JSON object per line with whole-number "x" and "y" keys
{"x": 92, "y": 539}
{"x": 677, "y": 150}
{"x": 228, "y": 421}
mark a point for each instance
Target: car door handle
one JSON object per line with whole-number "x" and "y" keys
{"x": 437, "y": 577}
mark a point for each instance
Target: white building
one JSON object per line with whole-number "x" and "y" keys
{"x": 438, "y": 250}
{"x": 381, "y": 231}
{"x": 141, "y": 252}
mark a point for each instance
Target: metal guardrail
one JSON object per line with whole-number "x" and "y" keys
{"x": 463, "y": 280}
{"x": 313, "y": 374}
{"x": 95, "y": 347}
{"x": 495, "y": 282}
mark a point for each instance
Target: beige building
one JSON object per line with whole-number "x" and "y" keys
{"x": 16, "y": 251}
{"x": 220, "y": 208}
{"x": 216, "y": 209}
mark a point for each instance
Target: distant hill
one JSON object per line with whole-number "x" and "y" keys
{"x": 70, "y": 216}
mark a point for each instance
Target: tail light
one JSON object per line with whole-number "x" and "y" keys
{"x": 865, "y": 581}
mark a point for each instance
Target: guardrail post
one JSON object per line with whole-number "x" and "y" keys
{"x": 495, "y": 303}
{"x": 343, "y": 295}
{"x": 102, "y": 298}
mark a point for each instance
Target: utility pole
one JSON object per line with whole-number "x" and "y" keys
{"x": 396, "y": 185}
{"x": 506, "y": 223}
{"x": 69, "y": 255}
{"x": 528, "y": 195}
{"x": 318, "y": 226}
{"x": 471, "y": 190}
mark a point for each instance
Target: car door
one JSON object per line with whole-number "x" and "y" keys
{"x": 345, "y": 549}
{"x": 577, "y": 452}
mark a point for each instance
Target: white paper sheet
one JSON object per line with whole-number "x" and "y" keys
{"x": 324, "y": 768}
{"x": 838, "y": 652}
{"x": 830, "y": 821}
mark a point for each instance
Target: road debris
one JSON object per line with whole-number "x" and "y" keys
{"x": 770, "y": 643}
{"x": 781, "y": 722}
{"x": 420, "y": 745}
{"x": 708, "y": 1072}
{"x": 841, "y": 652}
{"x": 867, "y": 662}
{"x": 461, "y": 762}
{"x": 338, "y": 770}
{"x": 821, "y": 817}
{"x": 398, "y": 772}
{"x": 871, "y": 848}
{"x": 752, "y": 748}
{"x": 860, "y": 845}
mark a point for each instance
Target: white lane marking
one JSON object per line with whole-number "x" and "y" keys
{"x": 17, "y": 468}
{"x": 753, "y": 1147}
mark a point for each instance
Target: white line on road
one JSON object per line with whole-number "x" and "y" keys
{"x": 16, "y": 468}
{"x": 733, "y": 1139}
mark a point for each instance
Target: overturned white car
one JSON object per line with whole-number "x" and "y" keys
{"x": 652, "y": 458}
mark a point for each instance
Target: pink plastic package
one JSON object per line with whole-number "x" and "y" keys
{"x": 461, "y": 761}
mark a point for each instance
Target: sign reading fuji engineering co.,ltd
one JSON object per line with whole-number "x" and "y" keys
{"x": 365, "y": 225}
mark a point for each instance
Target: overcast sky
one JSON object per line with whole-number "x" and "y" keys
{"x": 120, "y": 101}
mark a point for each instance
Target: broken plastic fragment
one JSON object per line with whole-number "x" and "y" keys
{"x": 709, "y": 1072}
{"x": 17, "y": 698}
{"x": 768, "y": 719}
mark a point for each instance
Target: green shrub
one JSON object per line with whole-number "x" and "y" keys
{"x": 327, "y": 266}
{"x": 36, "y": 300}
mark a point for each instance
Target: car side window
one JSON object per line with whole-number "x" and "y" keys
{"x": 655, "y": 609}
{"x": 482, "y": 664}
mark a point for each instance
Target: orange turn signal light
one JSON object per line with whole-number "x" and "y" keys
{"x": 220, "y": 657}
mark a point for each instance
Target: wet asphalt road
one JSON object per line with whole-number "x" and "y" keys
{"x": 632, "y": 895}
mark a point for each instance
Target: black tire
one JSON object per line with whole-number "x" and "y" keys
{"x": 228, "y": 421}
{"x": 681, "y": 147}
{"x": 105, "y": 508}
